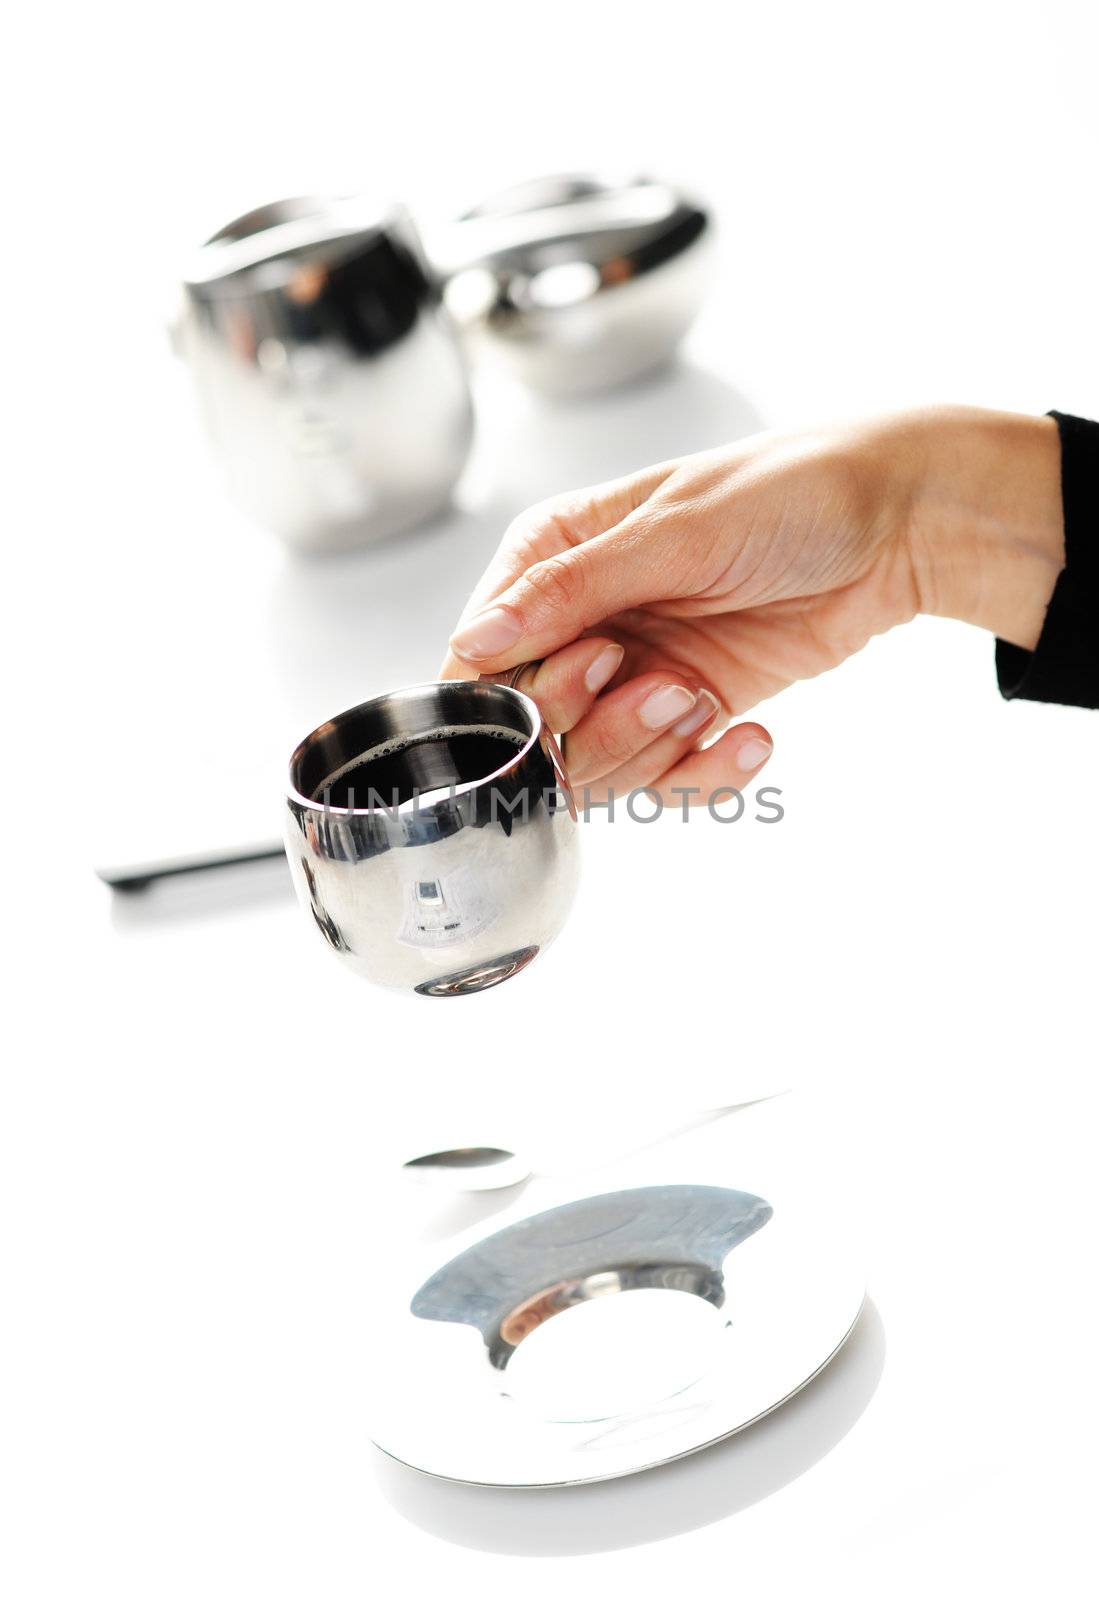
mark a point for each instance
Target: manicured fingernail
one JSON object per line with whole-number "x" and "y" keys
{"x": 603, "y": 668}
{"x": 665, "y": 705}
{"x": 753, "y": 753}
{"x": 488, "y": 635}
{"x": 700, "y": 716}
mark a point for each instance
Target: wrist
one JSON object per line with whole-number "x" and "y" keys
{"x": 986, "y": 528}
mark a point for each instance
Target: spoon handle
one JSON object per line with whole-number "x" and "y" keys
{"x": 139, "y": 875}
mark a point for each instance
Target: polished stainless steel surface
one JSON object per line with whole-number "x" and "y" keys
{"x": 577, "y": 281}
{"x": 330, "y": 373}
{"x": 134, "y": 875}
{"x": 432, "y": 836}
{"x": 612, "y": 1333}
{"x": 673, "y": 1237}
{"x": 468, "y": 1169}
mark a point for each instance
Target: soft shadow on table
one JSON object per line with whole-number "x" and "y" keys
{"x": 462, "y": 1211}
{"x": 702, "y": 1488}
{"x": 194, "y": 896}
{"x": 543, "y": 446}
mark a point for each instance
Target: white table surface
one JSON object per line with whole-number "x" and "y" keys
{"x": 200, "y": 1111}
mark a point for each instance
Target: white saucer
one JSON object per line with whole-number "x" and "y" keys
{"x": 735, "y": 1300}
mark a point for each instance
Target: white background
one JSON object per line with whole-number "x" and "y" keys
{"x": 200, "y": 1112}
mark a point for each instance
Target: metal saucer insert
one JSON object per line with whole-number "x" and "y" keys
{"x": 692, "y": 1310}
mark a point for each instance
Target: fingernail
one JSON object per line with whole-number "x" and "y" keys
{"x": 753, "y": 753}
{"x": 664, "y": 705}
{"x": 700, "y": 716}
{"x": 603, "y": 668}
{"x": 488, "y": 635}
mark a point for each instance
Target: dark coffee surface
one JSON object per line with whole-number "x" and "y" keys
{"x": 399, "y": 773}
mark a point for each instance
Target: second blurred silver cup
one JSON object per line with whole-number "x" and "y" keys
{"x": 331, "y": 376}
{"x": 578, "y": 282}
{"x": 432, "y": 836}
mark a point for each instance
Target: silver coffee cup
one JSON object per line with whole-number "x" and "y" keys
{"x": 578, "y": 282}
{"x": 432, "y": 836}
{"x": 331, "y": 376}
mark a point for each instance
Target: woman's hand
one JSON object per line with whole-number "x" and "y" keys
{"x": 662, "y": 604}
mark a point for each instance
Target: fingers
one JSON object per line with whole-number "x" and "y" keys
{"x": 558, "y": 598}
{"x": 566, "y": 685}
{"x": 576, "y": 587}
{"x": 642, "y": 734}
{"x": 664, "y": 752}
{"x": 731, "y": 762}
{"x": 626, "y": 720}
{"x": 645, "y": 734}
{"x": 544, "y": 531}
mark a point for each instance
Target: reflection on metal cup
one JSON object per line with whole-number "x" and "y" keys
{"x": 578, "y": 282}
{"x": 330, "y": 373}
{"x": 432, "y": 836}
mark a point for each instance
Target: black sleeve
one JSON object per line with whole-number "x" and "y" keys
{"x": 1063, "y": 667}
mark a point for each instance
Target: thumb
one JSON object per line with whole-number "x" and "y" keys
{"x": 555, "y": 600}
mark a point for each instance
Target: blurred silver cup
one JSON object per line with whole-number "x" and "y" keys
{"x": 331, "y": 376}
{"x": 578, "y": 281}
{"x": 432, "y": 836}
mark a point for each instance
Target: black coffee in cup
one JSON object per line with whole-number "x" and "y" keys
{"x": 407, "y": 769}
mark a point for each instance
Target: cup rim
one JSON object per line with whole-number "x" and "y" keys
{"x": 306, "y": 803}
{"x": 255, "y": 250}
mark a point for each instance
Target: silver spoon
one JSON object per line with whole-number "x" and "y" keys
{"x": 469, "y": 1169}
